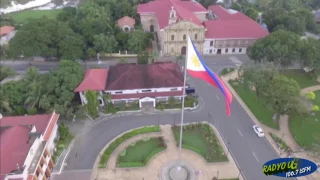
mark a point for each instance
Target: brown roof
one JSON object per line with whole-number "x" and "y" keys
{"x": 94, "y": 79}
{"x": 4, "y": 30}
{"x": 142, "y": 95}
{"x": 126, "y": 21}
{"x": 143, "y": 76}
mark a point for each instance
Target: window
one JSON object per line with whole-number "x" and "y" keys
{"x": 172, "y": 37}
{"x": 118, "y": 92}
{"x": 174, "y": 89}
{"x": 233, "y": 50}
{"x": 227, "y": 50}
{"x": 240, "y": 50}
{"x": 210, "y": 51}
{"x": 148, "y": 90}
{"x": 100, "y": 101}
{"x": 184, "y": 37}
{"x": 196, "y": 36}
{"x": 211, "y": 43}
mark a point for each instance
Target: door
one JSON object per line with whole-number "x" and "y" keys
{"x": 146, "y": 106}
{"x": 183, "y": 50}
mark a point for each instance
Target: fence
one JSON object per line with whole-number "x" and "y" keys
{"x": 120, "y": 54}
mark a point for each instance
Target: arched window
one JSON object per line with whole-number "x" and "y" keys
{"x": 184, "y": 37}
{"x": 172, "y": 37}
{"x": 196, "y": 36}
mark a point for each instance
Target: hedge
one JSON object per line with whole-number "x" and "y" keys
{"x": 107, "y": 153}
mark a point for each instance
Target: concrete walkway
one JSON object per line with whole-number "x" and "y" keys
{"x": 284, "y": 131}
{"x": 152, "y": 170}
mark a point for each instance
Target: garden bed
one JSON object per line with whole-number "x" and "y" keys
{"x": 190, "y": 101}
{"x": 255, "y": 105}
{"x": 201, "y": 139}
{"x": 226, "y": 71}
{"x": 108, "y": 151}
{"x": 114, "y": 109}
{"x": 138, "y": 154}
{"x": 280, "y": 143}
{"x": 63, "y": 142}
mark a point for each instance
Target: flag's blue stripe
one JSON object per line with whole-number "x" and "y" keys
{"x": 210, "y": 73}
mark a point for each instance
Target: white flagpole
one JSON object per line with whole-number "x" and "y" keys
{"x": 183, "y": 96}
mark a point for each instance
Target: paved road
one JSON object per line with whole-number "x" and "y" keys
{"x": 21, "y": 66}
{"x": 250, "y": 151}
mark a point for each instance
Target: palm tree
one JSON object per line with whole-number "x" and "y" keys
{"x": 4, "y": 103}
{"x": 34, "y": 95}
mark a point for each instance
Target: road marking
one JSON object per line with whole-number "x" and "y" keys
{"x": 255, "y": 157}
{"x": 217, "y": 97}
{"x": 240, "y": 133}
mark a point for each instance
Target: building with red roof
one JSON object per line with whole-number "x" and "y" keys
{"x": 27, "y": 143}
{"x": 213, "y": 31}
{"x": 6, "y": 34}
{"x": 126, "y": 23}
{"x": 145, "y": 84}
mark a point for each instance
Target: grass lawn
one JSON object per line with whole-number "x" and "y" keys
{"x": 23, "y": 16}
{"x": 300, "y": 76}
{"x": 263, "y": 114}
{"x": 305, "y": 129}
{"x": 138, "y": 154}
{"x": 201, "y": 139}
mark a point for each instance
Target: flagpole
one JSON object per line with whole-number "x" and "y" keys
{"x": 183, "y": 97}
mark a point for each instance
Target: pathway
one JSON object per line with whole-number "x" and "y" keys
{"x": 284, "y": 131}
{"x": 152, "y": 170}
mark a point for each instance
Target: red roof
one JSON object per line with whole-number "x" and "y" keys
{"x": 126, "y": 21}
{"x": 144, "y": 76}
{"x": 14, "y": 148}
{"x": 142, "y": 95}
{"x": 94, "y": 79}
{"x": 233, "y": 29}
{"x": 4, "y": 30}
{"x": 224, "y": 14}
{"x": 14, "y": 136}
{"x": 185, "y": 10}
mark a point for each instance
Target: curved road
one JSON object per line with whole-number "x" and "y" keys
{"x": 250, "y": 151}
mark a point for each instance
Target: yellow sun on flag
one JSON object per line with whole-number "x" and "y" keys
{"x": 195, "y": 61}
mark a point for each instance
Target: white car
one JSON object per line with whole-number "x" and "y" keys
{"x": 258, "y": 130}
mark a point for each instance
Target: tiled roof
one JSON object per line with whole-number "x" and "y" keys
{"x": 185, "y": 10}
{"x": 14, "y": 148}
{"x": 4, "y": 30}
{"x": 94, "y": 79}
{"x": 142, "y": 76}
{"x": 14, "y": 136}
{"x": 126, "y": 21}
{"x": 234, "y": 29}
{"x": 142, "y": 95}
{"x": 224, "y": 14}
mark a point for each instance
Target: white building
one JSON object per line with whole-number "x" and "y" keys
{"x": 145, "y": 84}
{"x": 27, "y": 145}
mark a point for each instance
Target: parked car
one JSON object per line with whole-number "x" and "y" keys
{"x": 258, "y": 130}
{"x": 190, "y": 90}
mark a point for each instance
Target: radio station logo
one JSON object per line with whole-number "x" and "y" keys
{"x": 289, "y": 167}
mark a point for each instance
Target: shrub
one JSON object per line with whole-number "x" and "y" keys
{"x": 123, "y": 152}
{"x": 133, "y": 144}
{"x": 315, "y": 108}
{"x": 106, "y": 154}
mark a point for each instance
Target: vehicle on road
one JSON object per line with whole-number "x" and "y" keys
{"x": 190, "y": 90}
{"x": 258, "y": 130}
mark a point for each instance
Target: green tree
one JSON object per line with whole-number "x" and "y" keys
{"x": 122, "y": 38}
{"x": 107, "y": 98}
{"x": 4, "y": 103}
{"x": 285, "y": 4}
{"x": 171, "y": 101}
{"x": 154, "y": 56}
{"x": 310, "y": 56}
{"x": 92, "y": 103}
{"x": 103, "y": 43}
{"x": 12, "y": 96}
{"x": 143, "y": 57}
{"x": 307, "y": 16}
{"x": 67, "y": 14}
{"x": 137, "y": 41}
{"x": 207, "y": 3}
{"x": 123, "y": 8}
{"x": 280, "y": 47}
{"x": 6, "y": 72}
{"x": 252, "y": 13}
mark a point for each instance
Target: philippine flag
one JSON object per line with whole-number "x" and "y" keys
{"x": 197, "y": 68}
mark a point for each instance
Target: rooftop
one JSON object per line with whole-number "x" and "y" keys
{"x": 144, "y": 76}
{"x": 142, "y": 95}
{"x": 4, "y": 30}
{"x": 227, "y": 14}
{"x": 161, "y": 8}
{"x": 126, "y": 21}
{"x": 94, "y": 79}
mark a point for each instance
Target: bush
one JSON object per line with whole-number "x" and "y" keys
{"x": 226, "y": 71}
{"x": 123, "y": 152}
{"x": 133, "y": 144}
{"x": 130, "y": 164}
{"x": 107, "y": 153}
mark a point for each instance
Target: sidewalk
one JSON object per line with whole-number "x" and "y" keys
{"x": 152, "y": 170}
{"x": 284, "y": 131}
